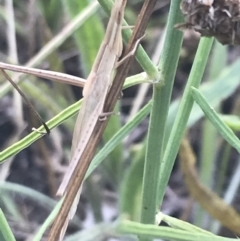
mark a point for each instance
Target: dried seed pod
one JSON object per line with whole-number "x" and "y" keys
{"x": 218, "y": 18}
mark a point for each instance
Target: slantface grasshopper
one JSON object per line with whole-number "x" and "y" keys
{"x": 96, "y": 87}
{"x": 95, "y": 92}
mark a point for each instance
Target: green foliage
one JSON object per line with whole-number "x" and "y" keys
{"x": 52, "y": 11}
{"x": 5, "y": 231}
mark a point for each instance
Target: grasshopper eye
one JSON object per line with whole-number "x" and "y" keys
{"x": 213, "y": 18}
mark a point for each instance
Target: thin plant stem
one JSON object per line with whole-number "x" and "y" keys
{"x": 161, "y": 100}
{"x": 183, "y": 113}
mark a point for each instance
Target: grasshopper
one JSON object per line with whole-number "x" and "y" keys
{"x": 94, "y": 95}
{"x": 96, "y": 88}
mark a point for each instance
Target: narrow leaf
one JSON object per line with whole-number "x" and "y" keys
{"x": 211, "y": 114}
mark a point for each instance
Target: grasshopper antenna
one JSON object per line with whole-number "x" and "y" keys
{"x": 26, "y": 99}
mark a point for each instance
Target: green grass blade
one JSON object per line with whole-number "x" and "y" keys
{"x": 5, "y": 231}
{"x": 92, "y": 31}
{"x": 52, "y": 11}
{"x": 211, "y": 114}
{"x": 98, "y": 232}
{"x": 118, "y": 137}
{"x": 48, "y": 221}
{"x": 183, "y": 114}
{"x": 32, "y": 137}
{"x": 179, "y": 224}
{"x": 154, "y": 231}
{"x": 217, "y": 62}
{"x": 161, "y": 100}
{"x": 114, "y": 163}
{"x": 30, "y": 193}
{"x": 215, "y": 92}
{"x": 232, "y": 121}
{"x": 131, "y": 187}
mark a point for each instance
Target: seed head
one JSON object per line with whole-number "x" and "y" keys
{"x": 218, "y": 18}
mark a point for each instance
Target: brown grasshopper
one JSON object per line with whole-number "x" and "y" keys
{"x": 94, "y": 95}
